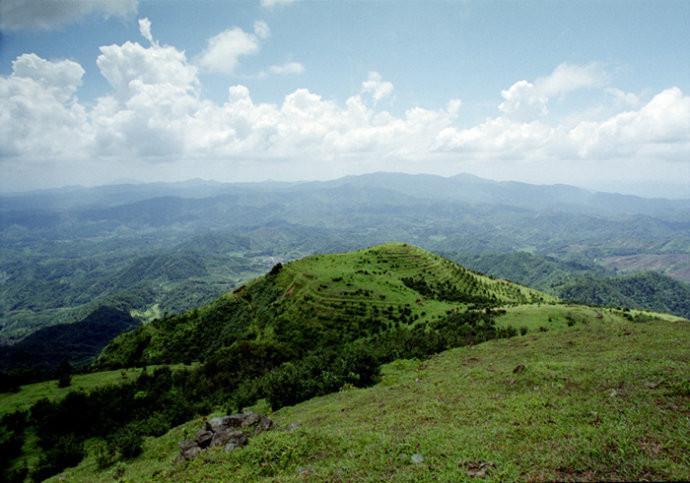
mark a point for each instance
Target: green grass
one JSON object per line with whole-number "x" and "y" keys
{"x": 31, "y": 393}
{"x": 605, "y": 398}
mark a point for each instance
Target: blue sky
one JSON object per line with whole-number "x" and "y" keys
{"x": 583, "y": 66}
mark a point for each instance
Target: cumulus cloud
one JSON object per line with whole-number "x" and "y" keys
{"x": 130, "y": 65}
{"x": 659, "y": 129}
{"x": 39, "y": 115}
{"x": 376, "y": 86}
{"x": 270, "y": 4}
{"x": 529, "y": 100}
{"x": 288, "y": 68}
{"x": 51, "y": 14}
{"x": 155, "y": 113}
{"x": 223, "y": 51}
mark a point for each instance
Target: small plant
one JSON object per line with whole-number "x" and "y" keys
{"x": 523, "y": 330}
{"x": 104, "y": 455}
{"x": 543, "y": 329}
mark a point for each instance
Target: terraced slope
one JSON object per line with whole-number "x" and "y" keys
{"x": 604, "y": 399}
{"x": 330, "y": 298}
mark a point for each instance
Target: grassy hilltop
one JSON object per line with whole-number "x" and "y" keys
{"x": 323, "y": 298}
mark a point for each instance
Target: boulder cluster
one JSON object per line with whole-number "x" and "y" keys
{"x": 230, "y": 432}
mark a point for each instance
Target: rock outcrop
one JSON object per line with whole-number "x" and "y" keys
{"x": 230, "y": 432}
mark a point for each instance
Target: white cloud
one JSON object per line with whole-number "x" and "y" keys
{"x": 660, "y": 129}
{"x": 155, "y": 114}
{"x": 145, "y": 29}
{"x": 224, "y": 50}
{"x": 130, "y": 65}
{"x": 376, "y": 86}
{"x": 270, "y": 4}
{"x": 625, "y": 99}
{"x": 39, "y": 115}
{"x": 289, "y": 68}
{"x": 51, "y": 14}
{"x": 529, "y": 100}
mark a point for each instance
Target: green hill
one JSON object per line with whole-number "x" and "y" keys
{"x": 604, "y": 399}
{"x": 650, "y": 291}
{"x": 322, "y": 299}
{"x": 327, "y": 324}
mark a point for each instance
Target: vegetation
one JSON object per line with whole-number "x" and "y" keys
{"x": 585, "y": 283}
{"x": 65, "y": 253}
{"x": 37, "y": 356}
{"x": 307, "y": 328}
{"x": 600, "y": 400}
{"x": 318, "y": 301}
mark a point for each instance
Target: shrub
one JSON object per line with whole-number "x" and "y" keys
{"x": 127, "y": 442}
{"x": 65, "y": 452}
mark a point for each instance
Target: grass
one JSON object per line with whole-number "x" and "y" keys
{"x": 31, "y": 393}
{"x": 356, "y": 282}
{"x": 605, "y": 398}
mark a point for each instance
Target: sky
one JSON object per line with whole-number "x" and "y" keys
{"x": 589, "y": 93}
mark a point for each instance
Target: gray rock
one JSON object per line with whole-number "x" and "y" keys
{"x": 189, "y": 449}
{"x": 203, "y": 438}
{"x": 250, "y": 419}
{"x": 230, "y": 431}
{"x": 222, "y": 437}
{"x": 237, "y": 440}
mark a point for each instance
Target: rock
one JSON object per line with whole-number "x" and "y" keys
{"x": 479, "y": 469}
{"x": 250, "y": 419}
{"x": 237, "y": 440}
{"x": 221, "y": 438}
{"x": 203, "y": 438}
{"x": 231, "y": 432}
{"x": 293, "y": 427}
{"x": 264, "y": 424}
{"x": 519, "y": 368}
{"x": 417, "y": 458}
{"x": 189, "y": 449}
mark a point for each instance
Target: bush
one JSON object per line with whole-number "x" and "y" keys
{"x": 65, "y": 452}
{"x": 104, "y": 455}
{"x": 127, "y": 442}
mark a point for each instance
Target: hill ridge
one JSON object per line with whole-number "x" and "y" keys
{"x": 350, "y": 293}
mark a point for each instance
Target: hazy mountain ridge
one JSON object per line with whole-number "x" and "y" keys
{"x": 63, "y": 249}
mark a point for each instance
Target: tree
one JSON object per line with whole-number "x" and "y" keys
{"x": 64, "y": 374}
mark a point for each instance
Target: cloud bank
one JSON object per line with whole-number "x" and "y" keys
{"x": 52, "y": 14}
{"x": 155, "y": 115}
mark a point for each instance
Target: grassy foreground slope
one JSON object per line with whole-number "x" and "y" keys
{"x": 326, "y": 298}
{"x": 603, "y": 399}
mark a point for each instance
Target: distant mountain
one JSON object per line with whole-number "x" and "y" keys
{"x": 177, "y": 245}
{"x": 549, "y": 198}
{"x": 463, "y": 187}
